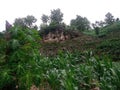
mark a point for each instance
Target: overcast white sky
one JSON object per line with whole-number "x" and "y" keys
{"x": 92, "y": 9}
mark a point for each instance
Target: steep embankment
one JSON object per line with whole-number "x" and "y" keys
{"x": 107, "y": 45}
{"x": 82, "y": 42}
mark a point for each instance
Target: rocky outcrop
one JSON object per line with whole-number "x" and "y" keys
{"x": 55, "y": 37}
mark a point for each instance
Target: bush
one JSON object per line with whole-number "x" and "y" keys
{"x": 113, "y": 27}
{"x": 110, "y": 47}
{"x": 19, "y": 54}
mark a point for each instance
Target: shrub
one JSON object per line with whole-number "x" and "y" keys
{"x": 18, "y": 64}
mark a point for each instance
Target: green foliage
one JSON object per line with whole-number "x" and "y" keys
{"x": 68, "y": 72}
{"x": 56, "y": 16}
{"x": 113, "y": 27}
{"x": 26, "y": 21}
{"x": 111, "y": 30}
{"x": 110, "y": 47}
{"x": 55, "y": 23}
{"x": 29, "y": 20}
{"x": 80, "y": 23}
{"x": 1, "y": 34}
{"x": 109, "y": 18}
{"x": 44, "y": 18}
{"x": 18, "y": 59}
{"x": 53, "y": 27}
{"x": 97, "y": 30}
{"x": 19, "y": 22}
{"x": 22, "y": 66}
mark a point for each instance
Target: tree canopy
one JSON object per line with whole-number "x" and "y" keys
{"x": 80, "y": 23}
{"x": 26, "y": 21}
{"x": 109, "y": 18}
{"x": 56, "y": 16}
{"x": 45, "y": 18}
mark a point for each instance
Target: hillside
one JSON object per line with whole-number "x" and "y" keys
{"x": 57, "y": 56}
{"x": 23, "y": 68}
{"x": 70, "y": 66}
{"x": 78, "y": 43}
{"x": 108, "y": 44}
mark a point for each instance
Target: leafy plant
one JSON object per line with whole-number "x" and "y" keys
{"x": 21, "y": 52}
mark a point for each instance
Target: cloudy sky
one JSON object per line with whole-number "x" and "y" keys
{"x": 92, "y": 9}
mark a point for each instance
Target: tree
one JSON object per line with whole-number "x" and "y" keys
{"x": 99, "y": 24}
{"x": 55, "y": 24}
{"x": 109, "y": 18}
{"x": 45, "y": 18}
{"x": 80, "y": 23}
{"x": 117, "y": 20}
{"x": 96, "y": 27}
{"x": 19, "y": 22}
{"x": 26, "y": 21}
{"x": 29, "y": 20}
{"x": 56, "y": 16}
{"x": 97, "y": 30}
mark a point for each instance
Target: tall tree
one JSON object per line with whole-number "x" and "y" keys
{"x": 99, "y": 24}
{"x": 109, "y": 18}
{"x": 19, "y": 22}
{"x": 56, "y": 16}
{"x": 29, "y": 20}
{"x": 96, "y": 27}
{"x": 45, "y": 18}
{"x": 26, "y": 21}
{"x": 80, "y": 23}
{"x": 117, "y": 20}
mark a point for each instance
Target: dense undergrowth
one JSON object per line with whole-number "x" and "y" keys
{"x": 110, "y": 47}
{"x": 19, "y": 50}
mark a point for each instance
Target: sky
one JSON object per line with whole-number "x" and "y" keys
{"x": 94, "y": 10}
